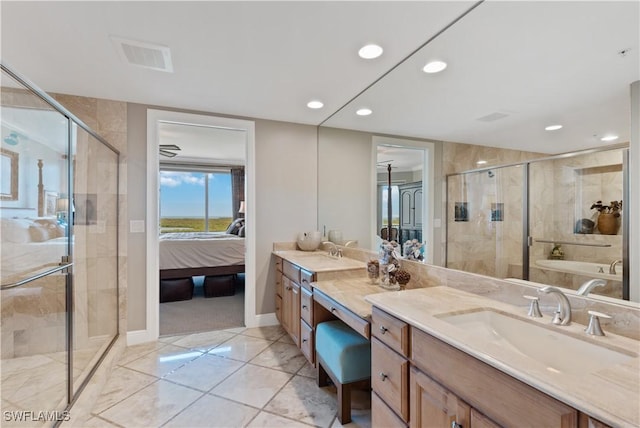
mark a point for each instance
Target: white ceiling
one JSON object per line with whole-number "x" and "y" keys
{"x": 539, "y": 63}
{"x": 535, "y": 61}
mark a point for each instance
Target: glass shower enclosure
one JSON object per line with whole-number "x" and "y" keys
{"x": 559, "y": 220}
{"x": 59, "y": 253}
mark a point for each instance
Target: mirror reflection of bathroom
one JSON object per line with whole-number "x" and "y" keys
{"x": 564, "y": 211}
{"x": 400, "y": 169}
{"x": 574, "y": 214}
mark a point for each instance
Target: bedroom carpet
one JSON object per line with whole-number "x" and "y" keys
{"x": 203, "y": 314}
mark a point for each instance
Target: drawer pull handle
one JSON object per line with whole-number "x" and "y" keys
{"x": 288, "y": 287}
{"x": 383, "y": 329}
{"x": 304, "y": 340}
{"x": 383, "y": 376}
{"x": 455, "y": 424}
{"x": 304, "y": 306}
{"x": 332, "y": 309}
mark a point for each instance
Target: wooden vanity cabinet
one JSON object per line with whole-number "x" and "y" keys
{"x": 294, "y": 304}
{"x": 288, "y": 298}
{"x": 389, "y": 368}
{"x": 307, "y": 342}
{"x": 504, "y": 400}
{"x": 421, "y": 381}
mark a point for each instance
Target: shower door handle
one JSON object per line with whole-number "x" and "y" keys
{"x": 530, "y": 241}
{"x": 62, "y": 268}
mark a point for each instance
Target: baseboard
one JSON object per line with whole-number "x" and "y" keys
{"x": 139, "y": 336}
{"x": 264, "y": 320}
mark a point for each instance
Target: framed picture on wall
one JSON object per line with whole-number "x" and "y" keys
{"x": 85, "y": 209}
{"x": 50, "y": 201}
{"x": 461, "y": 212}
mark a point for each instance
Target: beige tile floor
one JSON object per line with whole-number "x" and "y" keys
{"x": 229, "y": 378}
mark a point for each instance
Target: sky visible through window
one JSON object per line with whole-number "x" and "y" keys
{"x": 182, "y": 194}
{"x": 395, "y": 204}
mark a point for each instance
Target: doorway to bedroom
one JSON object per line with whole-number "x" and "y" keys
{"x": 201, "y": 225}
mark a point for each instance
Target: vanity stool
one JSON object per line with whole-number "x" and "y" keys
{"x": 344, "y": 356}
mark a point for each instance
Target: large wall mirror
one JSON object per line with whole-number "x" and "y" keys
{"x": 513, "y": 70}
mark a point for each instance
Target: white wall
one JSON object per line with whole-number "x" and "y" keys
{"x": 344, "y": 184}
{"x": 286, "y": 195}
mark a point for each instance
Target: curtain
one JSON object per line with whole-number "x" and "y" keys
{"x": 237, "y": 190}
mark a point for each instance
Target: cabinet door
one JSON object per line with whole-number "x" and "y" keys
{"x": 406, "y": 213}
{"x": 294, "y": 320}
{"x": 434, "y": 406}
{"x": 417, "y": 207}
{"x": 286, "y": 304}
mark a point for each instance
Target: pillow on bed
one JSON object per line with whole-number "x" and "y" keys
{"x": 235, "y": 226}
{"x": 16, "y": 230}
{"x": 52, "y": 226}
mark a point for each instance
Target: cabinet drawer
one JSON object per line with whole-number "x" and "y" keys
{"x": 307, "y": 344}
{"x": 382, "y": 415}
{"x": 291, "y": 271}
{"x": 391, "y": 331}
{"x": 279, "y": 308}
{"x": 390, "y": 377}
{"x": 306, "y": 278}
{"x": 349, "y": 318}
{"x": 278, "y": 263}
{"x": 306, "y": 305}
{"x": 504, "y": 399}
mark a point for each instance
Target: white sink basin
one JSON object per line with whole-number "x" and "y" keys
{"x": 557, "y": 351}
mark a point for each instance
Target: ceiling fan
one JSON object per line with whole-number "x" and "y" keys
{"x": 168, "y": 150}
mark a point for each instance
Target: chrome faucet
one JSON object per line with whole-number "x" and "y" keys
{"x": 586, "y": 288}
{"x": 333, "y": 251}
{"x": 563, "y": 313}
{"x": 612, "y": 266}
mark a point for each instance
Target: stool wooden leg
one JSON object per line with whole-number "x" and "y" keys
{"x": 344, "y": 403}
{"x": 323, "y": 377}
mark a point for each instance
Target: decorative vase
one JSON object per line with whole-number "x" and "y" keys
{"x": 608, "y": 224}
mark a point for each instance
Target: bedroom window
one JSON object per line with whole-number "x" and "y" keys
{"x": 195, "y": 201}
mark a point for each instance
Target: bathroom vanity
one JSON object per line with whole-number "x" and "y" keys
{"x": 295, "y": 271}
{"x": 433, "y": 360}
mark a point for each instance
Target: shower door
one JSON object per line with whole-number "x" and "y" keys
{"x": 59, "y": 254}
{"x": 35, "y": 250}
{"x": 485, "y": 222}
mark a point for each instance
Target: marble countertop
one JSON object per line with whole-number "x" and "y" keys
{"x": 351, "y": 293}
{"x": 610, "y": 394}
{"x": 319, "y": 261}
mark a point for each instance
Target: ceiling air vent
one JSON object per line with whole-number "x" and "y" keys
{"x": 142, "y": 54}
{"x": 493, "y": 116}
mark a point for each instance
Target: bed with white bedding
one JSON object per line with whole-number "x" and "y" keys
{"x": 30, "y": 246}
{"x": 200, "y": 253}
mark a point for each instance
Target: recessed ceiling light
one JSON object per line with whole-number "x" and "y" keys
{"x": 553, "y": 127}
{"x": 609, "y": 138}
{"x": 434, "y": 67}
{"x": 315, "y": 104}
{"x": 364, "y": 111}
{"x": 481, "y": 162}
{"x": 370, "y": 51}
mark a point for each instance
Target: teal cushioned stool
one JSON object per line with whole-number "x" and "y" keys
{"x": 344, "y": 356}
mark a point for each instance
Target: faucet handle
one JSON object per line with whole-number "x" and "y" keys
{"x": 534, "y": 308}
{"x": 594, "y": 328}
